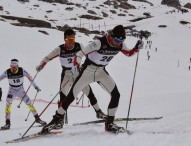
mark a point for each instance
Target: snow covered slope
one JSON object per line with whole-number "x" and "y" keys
{"x": 162, "y": 84}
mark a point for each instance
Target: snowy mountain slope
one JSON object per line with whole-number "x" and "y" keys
{"x": 161, "y": 87}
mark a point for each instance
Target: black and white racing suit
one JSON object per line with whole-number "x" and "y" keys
{"x": 16, "y": 89}
{"x": 98, "y": 54}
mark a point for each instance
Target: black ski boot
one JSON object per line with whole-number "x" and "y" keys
{"x": 100, "y": 114}
{"x": 56, "y": 123}
{"x": 111, "y": 127}
{"x": 7, "y": 125}
{"x": 38, "y": 120}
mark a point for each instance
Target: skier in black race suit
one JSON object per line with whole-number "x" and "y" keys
{"x": 98, "y": 55}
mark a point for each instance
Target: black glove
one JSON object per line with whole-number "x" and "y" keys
{"x": 40, "y": 67}
{"x": 139, "y": 45}
{"x": 37, "y": 88}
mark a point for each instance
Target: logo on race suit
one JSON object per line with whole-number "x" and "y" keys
{"x": 94, "y": 44}
{"x": 104, "y": 47}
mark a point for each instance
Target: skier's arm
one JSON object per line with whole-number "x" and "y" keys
{"x": 25, "y": 73}
{"x": 3, "y": 76}
{"x": 93, "y": 46}
{"x": 55, "y": 53}
{"x": 125, "y": 50}
{"x": 138, "y": 46}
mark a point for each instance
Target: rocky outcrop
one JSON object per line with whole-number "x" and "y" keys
{"x": 188, "y": 5}
{"x": 172, "y": 3}
{"x": 144, "y": 1}
{"x": 1, "y": 8}
{"x": 184, "y": 22}
{"x": 120, "y": 4}
{"x": 90, "y": 17}
{"x": 27, "y": 22}
{"x": 55, "y": 1}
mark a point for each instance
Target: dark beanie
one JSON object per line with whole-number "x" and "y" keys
{"x": 119, "y": 32}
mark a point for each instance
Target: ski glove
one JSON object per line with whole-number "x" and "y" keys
{"x": 139, "y": 45}
{"x": 74, "y": 70}
{"x": 40, "y": 67}
{"x": 37, "y": 89}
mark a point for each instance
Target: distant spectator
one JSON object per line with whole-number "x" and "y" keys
{"x": 0, "y": 94}
{"x": 148, "y": 56}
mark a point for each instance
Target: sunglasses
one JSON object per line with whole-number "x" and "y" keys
{"x": 118, "y": 40}
{"x": 70, "y": 39}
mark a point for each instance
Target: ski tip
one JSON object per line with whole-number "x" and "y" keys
{"x": 55, "y": 132}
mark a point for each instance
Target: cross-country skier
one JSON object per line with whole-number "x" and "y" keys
{"x": 15, "y": 76}
{"x": 98, "y": 55}
{"x": 66, "y": 53}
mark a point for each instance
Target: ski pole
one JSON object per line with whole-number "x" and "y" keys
{"x": 83, "y": 101}
{"x": 46, "y": 107}
{"x": 66, "y": 118}
{"x": 27, "y": 91}
{"x": 80, "y": 99}
{"x": 32, "y": 105}
{"x": 132, "y": 90}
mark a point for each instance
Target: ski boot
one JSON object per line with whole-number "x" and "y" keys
{"x": 54, "y": 124}
{"x": 38, "y": 120}
{"x": 7, "y": 125}
{"x": 112, "y": 127}
{"x": 100, "y": 114}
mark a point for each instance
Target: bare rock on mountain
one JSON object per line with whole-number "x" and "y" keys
{"x": 119, "y": 4}
{"x": 44, "y": 32}
{"x": 162, "y": 26}
{"x": 23, "y": 1}
{"x": 90, "y": 17}
{"x": 55, "y": 1}
{"x": 1, "y": 8}
{"x": 144, "y": 1}
{"x": 27, "y": 22}
{"x": 92, "y": 12}
{"x": 184, "y": 22}
{"x": 188, "y": 5}
{"x": 105, "y": 14}
{"x": 172, "y": 3}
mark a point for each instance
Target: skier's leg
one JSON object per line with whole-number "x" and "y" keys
{"x": 31, "y": 107}
{"x": 81, "y": 81}
{"x": 93, "y": 101}
{"x": 108, "y": 83}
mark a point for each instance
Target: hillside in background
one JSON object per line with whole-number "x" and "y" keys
{"x": 30, "y": 30}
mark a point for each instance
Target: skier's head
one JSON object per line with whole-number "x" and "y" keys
{"x": 69, "y": 37}
{"x": 118, "y": 35}
{"x": 118, "y": 32}
{"x": 14, "y": 65}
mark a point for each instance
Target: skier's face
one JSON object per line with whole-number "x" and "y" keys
{"x": 70, "y": 41}
{"x": 116, "y": 42}
{"x": 14, "y": 69}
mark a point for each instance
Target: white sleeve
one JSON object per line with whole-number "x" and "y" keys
{"x": 3, "y": 76}
{"x": 93, "y": 46}
{"x": 55, "y": 53}
{"x": 25, "y": 73}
